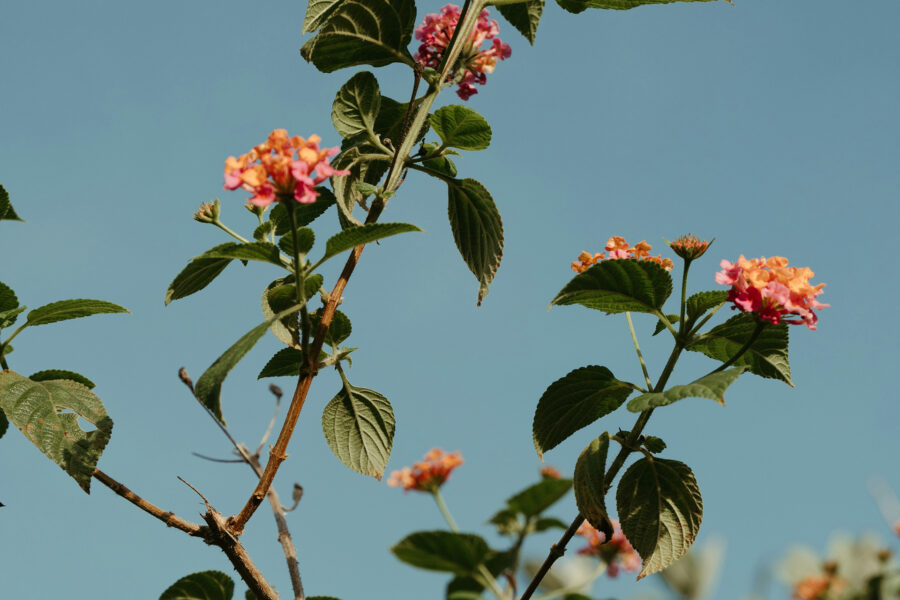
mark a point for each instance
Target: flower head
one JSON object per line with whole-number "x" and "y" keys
{"x": 689, "y": 246}
{"x": 617, "y": 247}
{"x": 208, "y": 212}
{"x": 772, "y": 289}
{"x": 427, "y": 475}
{"x": 281, "y": 168}
{"x": 435, "y": 33}
{"x": 617, "y": 553}
{"x": 548, "y": 472}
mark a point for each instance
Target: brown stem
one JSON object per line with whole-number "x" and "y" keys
{"x": 238, "y": 556}
{"x": 166, "y": 517}
{"x": 278, "y": 452}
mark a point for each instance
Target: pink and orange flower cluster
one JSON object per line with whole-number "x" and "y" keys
{"x": 429, "y": 474}
{"x": 617, "y": 247}
{"x": 435, "y": 33}
{"x": 281, "y": 168}
{"x": 617, "y": 553}
{"x": 772, "y": 289}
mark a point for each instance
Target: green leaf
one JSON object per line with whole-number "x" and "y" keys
{"x": 507, "y": 521}
{"x": 477, "y": 229}
{"x": 7, "y": 212}
{"x": 363, "y": 234}
{"x": 359, "y": 427}
{"x": 205, "y": 585}
{"x": 285, "y": 363}
{"x": 304, "y": 214}
{"x": 8, "y": 317}
{"x": 441, "y": 165}
{"x": 576, "y": 401}
{"x": 654, "y": 444}
{"x": 264, "y": 229}
{"x": 660, "y": 509}
{"x": 701, "y": 302}
{"x": 590, "y": 484}
{"x": 195, "y": 276}
{"x": 208, "y": 388}
{"x": 464, "y": 588}
{"x": 279, "y": 296}
{"x": 524, "y": 16}
{"x": 458, "y": 553}
{"x": 306, "y": 237}
{"x": 577, "y": 6}
{"x": 64, "y": 310}
{"x": 51, "y": 374}
{"x": 317, "y": 12}
{"x": 537, "y": 498}
{"x": 356, "y": 106}
{"x": 339, "y": 329}
{"x": 4, "y": 424}
{"x": 261, "y": 251}
{"x": 47, "y": 413}
{"x": 363, "y": 32}
{"x": 461, "y": 127}
{"x": 8, "y": 299}
{"x": 711, "y": 386}
{"x": 390, "y": 120}
{"x": 619, "y": 285}
{"x": 767, "y": 357}
{"x": 661, "y": 326}
{"x": 545, "y": 523}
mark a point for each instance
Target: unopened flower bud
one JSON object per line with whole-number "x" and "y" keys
{"x": 208, "y": 212}
{"x": 689, "y": 246}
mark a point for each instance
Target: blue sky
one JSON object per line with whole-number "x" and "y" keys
{"x": 769, "y": 125}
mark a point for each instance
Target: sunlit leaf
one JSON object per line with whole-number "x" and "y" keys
{"x": 205, "y": 585}
{"x": 711, "y": 386}
{"x": 359, "y": 427}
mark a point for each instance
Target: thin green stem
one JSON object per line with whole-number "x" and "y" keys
{"x": 3, "y": 364}
{"x": 637, "y": 349}
{"x": 13, "y": 335}
{"x": 709, "y": 316}
{"x": 482, "y": 570}
{"x": 684, "y": 280}
{"x": 227, "y": 230}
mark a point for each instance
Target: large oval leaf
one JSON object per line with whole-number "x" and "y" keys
{"x": 51, "y": 374}
{"x": 461, "y": 127}
{"x": 205, "y": 585}
{"x": 47, "y": 412}
{"x": 363, "y": 32}
{"x": 576, "y": 401}
{"x": 537, "y": 498}
{"x": 767, "y": 357}
{"x": 359, "y": 427}
{"x": 711, "y": 386}
{"x": 619, "y": 285}
{"x": 64, "y": 310}
{"x": 356, "y": 105}
{"x": 590, "y": 484}
{"x": 198, "y": 274}
{"x": 660, "y": 509}
{"x": 458, "y": 553}
{"x": 477, "y": 229}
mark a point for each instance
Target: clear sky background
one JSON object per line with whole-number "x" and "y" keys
{"x": 770, "y": 125}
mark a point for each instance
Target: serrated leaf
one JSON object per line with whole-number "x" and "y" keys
{"x": 261, "y": 251}
{"x": 356, "y": 105}
{"x": 339, "y": 329}
{"x": 590, "y": 484}
{"x": 363, "y": 32}
{"x": 524, "y": 16}
{"x": 280, "y": 295}
{"x": 576, "y": 401}
{"x": 359, "y": 427}
{"x": 208, "y": 388}
{"x": 440, "y": 165}
{"x": 317, "y": 12}
{"x": 195, "y": 276}
{"x": 461, "y": 127}
{"x": 306, "y": 237}
{"x": 363, "y": 234}
{"x": 464, "y": 588}
{"x": 477, "y": 229}
{"x": 8, "y": 317}
{"x": 63, "y": 310}
{"x": 577, "y": 6}
{"x": 304, "y": 214}
{"x": 389, "y": 123}
{"x": 711, "y": 386}
{"x": 205, "y": 585}
{"x": 263, "y": 230}
{"x": 767, "y": 357}
{"x": 545, "y": 523}
{"x": 458, "y": 553}
{"x": 537, "y": 498}
{"x": 661, "y": 326}
{"x": 370, "y": 171}
{"x": 47, "y": 413}
{"x": 285, "y": 363}
{"x": 660, "y": 509}
{"x": 8, "y": 299}
{"x": 654, "y": 444}
{"x": 619, "y": 285}
{"x": 701, "y": 302}
{"x": 51, "y": 374}
{"x": 7, "y": 212}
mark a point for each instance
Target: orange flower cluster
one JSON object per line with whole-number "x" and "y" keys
{"x": 548, "y": 472}
{"x": 617, "y": 553}
{"x": 281, "y": 168}
{"x": 617, "y": 247}
{"x": 817, "y": 587}
{"x": 772, "y": 289}
{"x": 689, "y": 246}
{"x": 427, "y": 475}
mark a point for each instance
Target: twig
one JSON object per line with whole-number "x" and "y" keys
{"x": 238, "y": 556}
{"x": 169, "y": 518}
{"x": 276, "y": 391}
{"x": 218, "y": 460}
